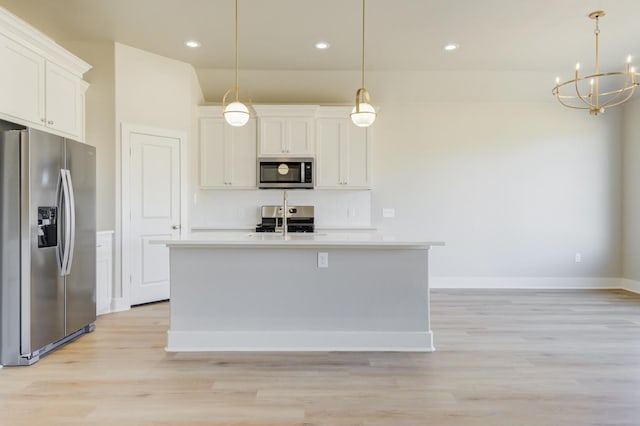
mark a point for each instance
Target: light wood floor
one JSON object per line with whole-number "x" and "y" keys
{"x": 513, "y": 358}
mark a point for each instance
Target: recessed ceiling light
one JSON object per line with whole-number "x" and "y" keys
{"x": 322, "y": 45}
{"x": 192, "y": 43}
{"x": 451, "y": 47}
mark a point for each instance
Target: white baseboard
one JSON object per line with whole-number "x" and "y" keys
{"x": 119, "y": 304}
{"x": 630, "y": 285}
{"x": 542, "y": 283}
{"x": 299, "y": 341}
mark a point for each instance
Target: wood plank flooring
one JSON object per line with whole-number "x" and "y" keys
{"x": 512, "y": 358}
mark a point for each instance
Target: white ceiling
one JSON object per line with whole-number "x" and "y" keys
{"x": 547, "y": 36}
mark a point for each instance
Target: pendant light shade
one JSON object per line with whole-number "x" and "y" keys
{"x": 236, "y": 113}
{"x": 363, "y": 114}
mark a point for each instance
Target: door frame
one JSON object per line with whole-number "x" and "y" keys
{"x": 127, "y": 130}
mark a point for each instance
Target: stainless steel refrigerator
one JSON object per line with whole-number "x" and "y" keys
{"x": 47, "y": 242}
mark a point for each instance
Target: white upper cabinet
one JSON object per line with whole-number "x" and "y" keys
{"x": 227, "y": 153}
{"x": 22, "y": 82}
{"x": 286, "y": 130}
{"x": 64, "y": 100}
{"x": 343, "y": 158}
{"x": 41, "y": 84}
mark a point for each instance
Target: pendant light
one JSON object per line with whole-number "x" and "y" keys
{"x": 236, "y": 113}
{"x": 363, "y": 114}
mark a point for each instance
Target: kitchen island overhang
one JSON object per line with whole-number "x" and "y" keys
{"x": 251, "y": 292}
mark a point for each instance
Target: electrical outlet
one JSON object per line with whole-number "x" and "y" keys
{"x": 388, "y": 212}
{"x": 578, "y": 257}
{"x": 351, "y": 212}
{"x": 323, "y": 260}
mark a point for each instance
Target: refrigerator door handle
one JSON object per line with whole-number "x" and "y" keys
{"x": 63, "y": 205}
{"x": 60, "y": 249}
{"x": 72, "y": 220}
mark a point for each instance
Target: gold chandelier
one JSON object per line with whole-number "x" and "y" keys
{"x": 598, "y": 91}
{"x": 236, "y": 113}
{"x": 363, "y": 114}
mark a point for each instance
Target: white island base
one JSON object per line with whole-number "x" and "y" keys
{"x": 270, "y": 295}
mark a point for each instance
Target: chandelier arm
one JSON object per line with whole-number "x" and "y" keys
{"x": 615, "y": 94}
{"x": 563, "y": 103}
{"x": 579, "y": 95}
{"x": 597, "y": 96}
{"x": 604, "y": 74}
{"x": 631, "y": 90}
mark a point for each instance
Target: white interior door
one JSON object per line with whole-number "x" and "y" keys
{"x": 155, "y": 212}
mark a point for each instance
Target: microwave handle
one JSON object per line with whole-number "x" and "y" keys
{"x": 302, "y": 172}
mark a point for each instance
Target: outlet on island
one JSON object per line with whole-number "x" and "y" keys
{"x": 323, "y": 260}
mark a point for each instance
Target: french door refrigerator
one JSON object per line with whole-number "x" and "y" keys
{"x": 48, "y": 243}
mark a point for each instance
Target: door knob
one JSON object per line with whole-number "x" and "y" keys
{"x": 175, "y": 227}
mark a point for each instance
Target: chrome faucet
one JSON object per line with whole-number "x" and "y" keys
{"x": 285, "y": 210}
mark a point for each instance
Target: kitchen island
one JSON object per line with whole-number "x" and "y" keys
{"x": 241, "y": 291}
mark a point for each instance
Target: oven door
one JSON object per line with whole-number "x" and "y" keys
{"x": 285, "y": 173}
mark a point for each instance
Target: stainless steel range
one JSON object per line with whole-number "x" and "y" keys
{"x": 299, "y": 219}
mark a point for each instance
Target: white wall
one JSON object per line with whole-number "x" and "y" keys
{"x": 631, "y": 237}
{"x": 99, "y": 125}
{"x": 150, "y": 91}
{"x": 515, "y": 189}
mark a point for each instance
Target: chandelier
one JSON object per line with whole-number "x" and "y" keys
{"x": 236, "y": 113}
{"x": 598, "y": 91}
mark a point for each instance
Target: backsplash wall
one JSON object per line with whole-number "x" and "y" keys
{"x": 238, "y": 209}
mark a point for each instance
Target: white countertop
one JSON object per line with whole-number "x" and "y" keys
{"x": 274, "y": 240}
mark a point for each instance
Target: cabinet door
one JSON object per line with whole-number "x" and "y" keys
{"x": 300, "y": 136}
{"x": 242, "y": 166}
{"x": 330, "y": 134}
{"x": 357, "y": 171}
{"x": 212, "y": 153}
{"x": 344, "y": 155}
{"x": 227, "y": 154}
{"x": 273, "y": 134}
{"x": 63, "y": 100}
{"x": 21, "y": 82}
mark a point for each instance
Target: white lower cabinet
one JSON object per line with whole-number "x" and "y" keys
{"x": 227, "y": 154}
{"x": 104, "y": 272}
{"x": 343, "y": 159}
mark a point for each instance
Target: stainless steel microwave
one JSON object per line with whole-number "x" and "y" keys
{"x": 286, "y": 173}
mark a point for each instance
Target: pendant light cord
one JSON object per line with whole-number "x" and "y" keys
{"x": 597, "y": 82}
{"x": 363, "y": 14}
{"x": 236, "y": 50}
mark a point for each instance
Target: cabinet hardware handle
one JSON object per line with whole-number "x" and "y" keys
{"x": 175, "y": 227}
{"x": 50, "y": 122}
{"x": 43, "y": 120}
